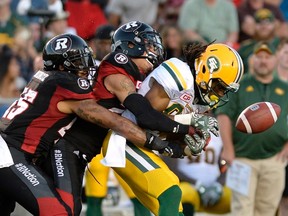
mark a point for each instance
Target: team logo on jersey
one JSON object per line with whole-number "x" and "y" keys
{"x": 83, "y": 83}
{"x": 213, "y": 64}
{"x": 186, "y": 97}
{"x": 62, "y": 44}
{"x": 121, "y": 58}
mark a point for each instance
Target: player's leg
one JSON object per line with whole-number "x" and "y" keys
{"x": 139, "y": 208}
{"x": 190, "y": 199}
{"x": 223, "y": 205}
{"x": 96, "y": 192}
{"x": 68, "y": 167}
{"x": 270, "y": 187}
{"x": 151, "y": 180}
{"x": 283, "y": 206}
{"x": 25, "y": 183}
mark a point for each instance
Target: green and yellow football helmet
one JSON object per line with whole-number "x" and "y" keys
{"x": 218, "y": 71}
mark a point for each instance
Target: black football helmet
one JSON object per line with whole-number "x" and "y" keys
{"x": 134, "y": 38}
{"x": 70, "y": 51}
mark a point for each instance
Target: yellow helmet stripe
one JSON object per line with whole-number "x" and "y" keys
{"x": 176, "y": 74}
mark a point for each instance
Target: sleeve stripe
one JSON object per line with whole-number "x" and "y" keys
{"x": 175, "y": 73}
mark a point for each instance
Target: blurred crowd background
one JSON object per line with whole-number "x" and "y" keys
{"x": 26, "y": 25}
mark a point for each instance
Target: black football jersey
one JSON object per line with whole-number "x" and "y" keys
{"x": 87, "y": 137}
{"x": 33, "y": 123}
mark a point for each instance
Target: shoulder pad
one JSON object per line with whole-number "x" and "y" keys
{"x": 121, "y": 60}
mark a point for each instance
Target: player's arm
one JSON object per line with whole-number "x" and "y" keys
{"x": 158, "y": 97}
{"x": 159, "y": 100}
{"x": 90, "y": 111}
{"x": 147, "y": 117}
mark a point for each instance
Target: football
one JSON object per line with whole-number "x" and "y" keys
{"x": 258, "y": 117}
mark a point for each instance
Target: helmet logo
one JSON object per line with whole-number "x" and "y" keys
{"x": 62, "y": 44}
{"x": 120, "y": 58}
{"x": 131, "y": 26}
{"x": 213, "y": 64}
{"x": 83, "y": 83}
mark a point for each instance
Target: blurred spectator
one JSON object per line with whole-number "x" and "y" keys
{"x": 168, "y": 12}
{"x": 284, "y": 9}
{"x": 282, "y": 61}
{"x": 201, "y": 181}
{"x": 36, "y": 13}
{"x": 36, "y": 29}
{"x": 274, "y": 2}
{"x": 85, "y": 16}
{"x": 208, "y": 20}
{"x": 282, "y": 71}
{"x": 265, "y": 30}
{"x": 172, "y": 40}
{"x": 247, "y": 23}
{"x": 264, "y": 154}
{"x": 282, "y": 4}
{"x": 9, "y": 22}
{"x": 23, "y": 6}
{"x": 101, "y": 41}
{"x": 58, "y": 25}
{"x": 238, "y": 2}
{"x": 55, "y": 5}
{"x": 9, "y": 72}
{"x": 25, "y": 52}
{"x": 124, "y": 11}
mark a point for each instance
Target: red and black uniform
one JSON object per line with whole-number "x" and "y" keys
{"x": 86, "y": 136}
{"x": 84, "y": 140}
{"x": 31, "y": 126}
{"x": 115, "y": 63}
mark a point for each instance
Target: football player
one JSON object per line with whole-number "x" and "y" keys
{"x": 95, "y": 192}
{"x": 84, "y": 140}
{"x": 175, "y": 87}
{"x": 45, "y": 110}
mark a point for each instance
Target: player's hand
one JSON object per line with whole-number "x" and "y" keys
{"x": 173, "y": 150}
{"x": 210, "y": 195}
{"x": 153, "y": 142}
{"x": 204, "y": 123}
{"x": 195, "y": 143}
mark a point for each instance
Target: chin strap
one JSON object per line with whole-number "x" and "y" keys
{"x": 151, "y": 58}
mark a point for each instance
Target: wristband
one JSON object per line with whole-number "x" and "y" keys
{"x": 183, "y": 118}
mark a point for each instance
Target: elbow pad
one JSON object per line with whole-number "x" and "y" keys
{"x": 148, "y": 117}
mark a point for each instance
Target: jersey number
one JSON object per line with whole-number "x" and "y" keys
{"x": 209, "y": 157}
{"x": 27, "y": 97}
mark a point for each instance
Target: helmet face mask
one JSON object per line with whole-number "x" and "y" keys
{"x": 80, "y": 60}
{"x": 218, "y": 71}
{"x": 136, "y": 39}
{"x": 69, "y": 51}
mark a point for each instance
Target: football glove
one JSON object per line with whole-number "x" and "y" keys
{"x": 210, "y": 195}
{"x": 153, "y": 142}
{"x": 173, "y": 150}
{"x": 195, "y": 144}
{"x": 204, "y": 123}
